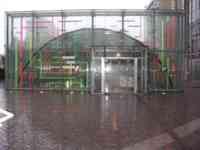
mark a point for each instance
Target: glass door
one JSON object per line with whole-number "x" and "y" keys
{"x": 119, "y": 75}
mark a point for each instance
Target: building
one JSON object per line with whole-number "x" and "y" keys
{"x": 101, "y": 51}
{"x": 165, "y": 28}
{"x": 195, "y": 39}
{"x": 166, "y": 4}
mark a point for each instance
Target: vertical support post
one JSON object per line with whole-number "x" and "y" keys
{"x": 145, "y": 71}
{"x": 62, "y": 26}
{"x": 31, "y": 53}
{"x": 87, "y": 76}
{"x": 92, "y": 26}
{"x": 154, "y": 29}
{"x": 123, "y": 30}
{"x": 32, "y": 41}
{"x": 176, "y": 4}
{"x": 21, "y": 54}
{"x": 7, "y": 74}
{"x": 142, "y": 72}
{"x": 92, "y": 56}
{"x": 92, "y": 62}
{"x": 122, "y": 22}
{"x": 104, "y": 51}
{"x": 180, "y": 50}
{"x": 185, "y": 48}
{"x": 102, "y": 74}
{"x": 62, "y": 22}
{"x": 135, "y": 75}
{"x": 187, "y": 31}
{"x": 190, "y": 68}
{"x": 15, "y": 48}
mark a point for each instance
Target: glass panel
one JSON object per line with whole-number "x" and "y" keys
{"x": 166, "y": 36}
{"x": 45, "y": 29}
{"x": 133, "y": 26}
{"x": 166, "y": 74}
{"x": 166, "y": 58}
{"x": 119, "y": 75}
{"x": 148, "y": 31}
{"x": 56, "y": 69}
{"x": 108, "y": 22}
{"x": 20, "y": 51}
{"x": 73, "y": 23}
{"x": 45, "y": 47}
{"x": 10, "y": 56}
{"x": 96, "y": 77}
{"x": 196, "y": 69}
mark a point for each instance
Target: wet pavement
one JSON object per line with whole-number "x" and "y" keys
{"x": 61, "y": 121}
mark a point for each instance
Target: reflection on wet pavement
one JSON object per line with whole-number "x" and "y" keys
{"x": 60, "y": 121}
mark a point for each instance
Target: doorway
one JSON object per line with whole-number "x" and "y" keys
{"x": 117, "y": 75}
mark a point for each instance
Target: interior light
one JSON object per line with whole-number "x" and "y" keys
{"x": 107, "y": 32}
{"x": 134, "y": 26}
{"x": 108, "y": 68}
{"x": 94, "y": 70}
{"x": 106, "y": 90}
{"x": 106, "y": 98}
{"x": 76, "y": 68}
{"x": 118, "y": 54}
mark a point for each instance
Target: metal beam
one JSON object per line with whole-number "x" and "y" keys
{"x": 98, "y": 12}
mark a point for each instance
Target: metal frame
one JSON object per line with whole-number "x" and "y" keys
{"x": 96, "y": 12}
{"x": 122, "y": 13}
{"x": 135, "y": 73}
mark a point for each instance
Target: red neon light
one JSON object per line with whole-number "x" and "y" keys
{"x": 21, "y": 55}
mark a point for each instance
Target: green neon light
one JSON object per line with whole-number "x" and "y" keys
{"x": 16, "y": 63}
{"x": 40, "y": 63}
{"x": 30, "y": 48}
{"x": 164, "y": 58}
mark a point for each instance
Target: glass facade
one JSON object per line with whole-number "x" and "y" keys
{"x": 195, "y": 38}
{"x": 95, "y": 50}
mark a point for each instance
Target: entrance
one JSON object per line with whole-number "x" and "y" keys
{"x": 117, "y": 75}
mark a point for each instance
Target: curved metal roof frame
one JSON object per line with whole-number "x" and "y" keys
{"x": 136, "y": 42}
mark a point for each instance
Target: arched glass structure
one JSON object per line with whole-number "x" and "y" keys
{"x": 73, "y": 61}
{"x": 96, "y": 50}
